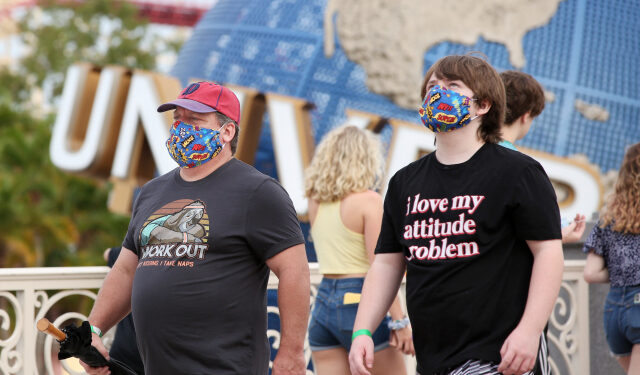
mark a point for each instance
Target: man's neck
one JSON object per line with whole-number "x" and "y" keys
{"x": 202, "y": 171}
{"x": 458, "y": 146}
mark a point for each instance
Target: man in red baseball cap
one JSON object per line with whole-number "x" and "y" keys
{"x": 209, "y": 97}
{"x": 201, "y": 242}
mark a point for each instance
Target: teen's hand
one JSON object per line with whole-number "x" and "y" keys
{"x": 519, "y": 352}
{"x": 361, "y": 355}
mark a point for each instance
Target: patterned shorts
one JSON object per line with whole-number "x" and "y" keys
{"x": 477, "y": 367}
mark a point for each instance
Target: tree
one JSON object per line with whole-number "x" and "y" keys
{"x": 102, "y": 32}
{"x": 49, "y": 217}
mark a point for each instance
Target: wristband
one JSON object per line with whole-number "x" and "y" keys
{"x": 398, "y": 324}
{"x": 96, "y": 330}
{"x": 361, "y": 332}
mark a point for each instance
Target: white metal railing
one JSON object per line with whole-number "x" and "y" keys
{"x": 28, "y": 294}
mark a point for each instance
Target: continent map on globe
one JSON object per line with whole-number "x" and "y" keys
{"x": 584, "y": 53}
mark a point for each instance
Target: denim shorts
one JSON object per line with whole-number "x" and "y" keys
{"x": 622, "y": 319}
{"x": 332, "y": 320}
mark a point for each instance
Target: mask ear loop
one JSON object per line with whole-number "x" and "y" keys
{"x": 476, "y": 116}
{"x": 220, "y": 132}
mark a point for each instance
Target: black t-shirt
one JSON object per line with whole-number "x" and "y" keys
{"x": 199, "y": 292}
{"x": 125, "y": 347}
{"x": 462, "y": 229}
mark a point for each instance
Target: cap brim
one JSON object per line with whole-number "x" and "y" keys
{"x": 189, "y": 104}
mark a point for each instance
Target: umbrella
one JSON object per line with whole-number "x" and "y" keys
{"x": 76, "y": 342}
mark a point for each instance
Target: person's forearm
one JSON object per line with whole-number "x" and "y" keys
{"x": 293, "y": 303}
{"x": 379, "y": 290}
{"x": 114, "y": 299}
{"x": 546, "y": 278}
{"x": 600, "y": 276}
{"x": 595, "y": 270}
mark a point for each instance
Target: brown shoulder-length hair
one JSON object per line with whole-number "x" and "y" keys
{"x": 623, "y": 209}
{"x": 524, "y": 95}
{"x": 485, "y": 83}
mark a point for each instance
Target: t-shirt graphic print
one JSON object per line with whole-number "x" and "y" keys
{"x": 439, "y": 233}
{"x": 175, "y": 235}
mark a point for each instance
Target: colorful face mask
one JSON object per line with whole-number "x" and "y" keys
{"x": 191, "y": 146}
{"x": 445, "y": 110}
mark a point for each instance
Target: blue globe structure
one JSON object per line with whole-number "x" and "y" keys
{"x": 588, "y": 51}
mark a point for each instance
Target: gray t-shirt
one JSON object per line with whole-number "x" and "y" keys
{"x": 199, "y": 292}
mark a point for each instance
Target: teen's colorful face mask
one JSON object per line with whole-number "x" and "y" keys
{"x": 191, "y": 146}
{"x": 445, "y": 110}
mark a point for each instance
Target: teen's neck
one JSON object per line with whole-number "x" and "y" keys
{"x": 202, "y": 171}
{"x": 458, "y": 146}
{"x": 510, "y": 133}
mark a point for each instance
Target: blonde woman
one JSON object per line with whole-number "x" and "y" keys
{"x": 613, "y": 248}
{"x": 345, "y": 215}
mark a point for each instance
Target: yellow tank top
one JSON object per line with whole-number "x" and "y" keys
{"x": 339, "y": 250}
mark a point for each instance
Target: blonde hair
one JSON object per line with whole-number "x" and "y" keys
{"x": 347, "y": 160}
{"x": 623, "y": 209}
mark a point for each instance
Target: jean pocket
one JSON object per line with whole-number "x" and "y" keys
{"x": 632, "y": 316}
{"x": 347, "y": 316}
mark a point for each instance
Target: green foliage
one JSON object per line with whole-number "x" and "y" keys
{"x": 102, "y": 32}
{"x": 50, "y": 217}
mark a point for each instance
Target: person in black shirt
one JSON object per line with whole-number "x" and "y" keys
{"x": 476, "y": 226}
{"x": 124, "y": 346}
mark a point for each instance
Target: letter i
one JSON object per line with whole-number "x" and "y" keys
{"x": 408, "y": 205}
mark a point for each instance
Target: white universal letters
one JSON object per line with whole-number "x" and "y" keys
{"x": 126, "y": 106}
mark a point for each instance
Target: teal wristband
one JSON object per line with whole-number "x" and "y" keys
{"x": 96, "y": 330}
{"x": 361, "y": 332}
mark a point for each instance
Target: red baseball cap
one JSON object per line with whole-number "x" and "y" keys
{"x": 204, "y": 97}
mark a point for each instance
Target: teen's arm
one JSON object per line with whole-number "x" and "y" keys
{"x": 520, "y": 349}
{"x": 380, "y": 288}
{"x": 113, "y": 302}
{"x": 402, "y": 338}
{"x": 595, "y": 271}
{"x": 292, "y": 269}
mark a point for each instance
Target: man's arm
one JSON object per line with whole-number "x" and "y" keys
{"x": 292, "y": 269}
{"x": 113, "y": 302}
{"x": 380, "y": 288}
{"x": 520, "y": 349}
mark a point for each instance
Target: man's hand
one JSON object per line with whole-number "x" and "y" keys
{"x": 519, "y": 352}
{"x": 402, "y": 339}
{"x": 361, "y": 355}
{"x": 97, "y": 343}
{"x": 289, "y": 362}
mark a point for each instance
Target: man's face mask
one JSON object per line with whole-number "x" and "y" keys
{"x": 445, "y": 110}
{"x": 191, "y": 146}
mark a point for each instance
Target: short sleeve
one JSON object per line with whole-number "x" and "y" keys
{"x": 387, "y": 240}
{"x": 272, "y": 223}
{"x": 595, "y": 241}
{"x": 535, "y": 214}
{"x": 129, "y": 241}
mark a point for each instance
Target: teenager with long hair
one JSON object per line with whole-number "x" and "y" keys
{"x": 345, "y": 213}
{"x": 613, "y": 248}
